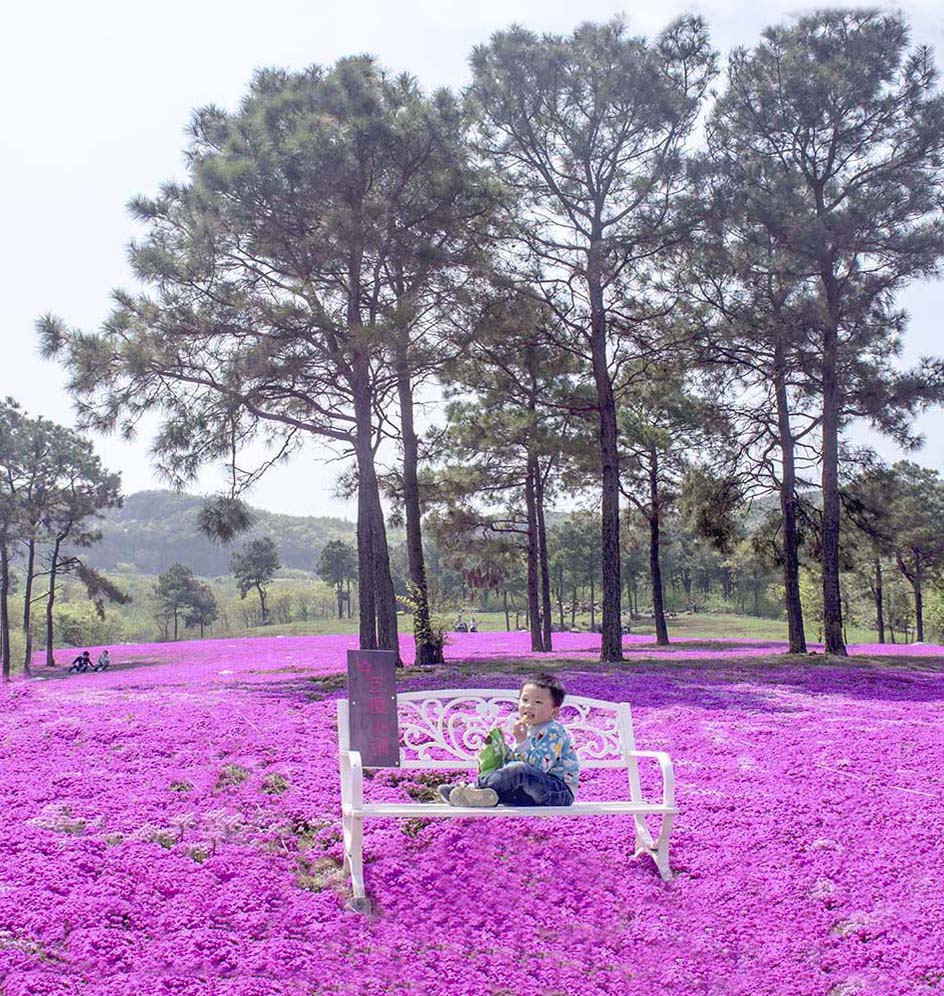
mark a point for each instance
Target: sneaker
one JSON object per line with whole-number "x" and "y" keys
{"x": 443, "y": 791}
{"x": 469, "y": 795}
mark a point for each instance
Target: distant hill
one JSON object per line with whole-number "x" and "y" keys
{"x": 155, "y": 529}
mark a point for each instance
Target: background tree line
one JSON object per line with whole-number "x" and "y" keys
{"x": 623, "y": 282}
{"x": 53, "y": 489}
{"x": 891, "y": 573}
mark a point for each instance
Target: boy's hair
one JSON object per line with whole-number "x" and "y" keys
{"x": 549, "y": 682}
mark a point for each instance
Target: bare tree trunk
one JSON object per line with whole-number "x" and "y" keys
{"x": 505, "y": 604}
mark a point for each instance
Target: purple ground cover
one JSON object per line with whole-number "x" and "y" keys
{"x": 175, "y": 829}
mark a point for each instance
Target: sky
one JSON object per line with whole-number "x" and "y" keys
{"x": 97, "y": 97}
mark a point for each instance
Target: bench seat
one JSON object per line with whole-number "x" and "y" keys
{"x": 410, "y": 809}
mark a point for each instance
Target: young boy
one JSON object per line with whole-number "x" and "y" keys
{"x": 543, "y": 769}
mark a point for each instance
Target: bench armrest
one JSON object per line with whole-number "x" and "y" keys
{"x": 352, "y": 779}
{"x": 668, "y": 773}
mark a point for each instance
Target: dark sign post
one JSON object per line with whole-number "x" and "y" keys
{"x": 372, "y": 699}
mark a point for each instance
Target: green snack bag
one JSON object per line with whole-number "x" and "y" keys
{"x": 494, "y": 751}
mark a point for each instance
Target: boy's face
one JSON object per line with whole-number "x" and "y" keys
{"x": 536, "y": 705}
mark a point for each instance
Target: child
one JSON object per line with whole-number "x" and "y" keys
{"x": 543, "y": 769}
{"x": 82, "y": 663}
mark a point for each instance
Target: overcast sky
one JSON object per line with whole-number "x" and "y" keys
{"x": 97, "y": 95}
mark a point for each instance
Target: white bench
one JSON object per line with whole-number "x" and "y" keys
{"x": 444, "y": 730}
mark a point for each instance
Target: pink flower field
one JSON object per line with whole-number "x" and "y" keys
{"x": 173, "y": 827}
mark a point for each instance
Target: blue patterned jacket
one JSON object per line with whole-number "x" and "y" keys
{"x": 549, "y": 749}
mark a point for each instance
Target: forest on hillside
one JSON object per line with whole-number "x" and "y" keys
{"x": 153, "y": 530}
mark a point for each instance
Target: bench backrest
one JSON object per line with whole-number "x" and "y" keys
{"x": 447, "y": 727}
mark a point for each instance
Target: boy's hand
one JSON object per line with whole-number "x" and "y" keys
{"x": 520, "y": 731}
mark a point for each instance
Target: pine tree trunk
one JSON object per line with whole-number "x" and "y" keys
{"x": 385, "y": 600}
{"x": 378, "y": 610}
{"x": 262, "y": 605}
{"x": 611, "y": 641}
{"x": 655, "y": 565}
{"x": 543, "y": 564}
{"x": 4, "y": 611}
{"x": 428, "y": 649}
{"x": 28, "y": 605}
{"x": 505, "y": 604}
{"x": 788, "y": 509}
{"x": 560, "y": 594}
{"x": 879, "y": 602}
{"x": 832, "y": 602}
{"x": 534, "y": 615}
{"x": 367, "y": 613}
{"x": 50, "y": 602}
{"x": 917, "y": 588}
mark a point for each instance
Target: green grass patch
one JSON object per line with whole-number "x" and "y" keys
{"x": 275, "y": 784}
{"x": 230, "y": 776}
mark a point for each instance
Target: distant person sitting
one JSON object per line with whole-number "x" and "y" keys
{"x": 81, "y": 663}
{"x": 461, "y": 625}
{"x": 104, "y": 660}
{"x": 473, "y": 626}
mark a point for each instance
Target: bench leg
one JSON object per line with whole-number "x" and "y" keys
{"x": 354, "y": 858}
{"x": 662, "y": 848}
{"x": 658, "y": 850}
{"x": 643, "y": 837}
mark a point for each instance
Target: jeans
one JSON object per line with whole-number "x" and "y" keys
{"x": 521, "y": 784}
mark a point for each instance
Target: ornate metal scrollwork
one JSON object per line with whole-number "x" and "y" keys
{"x": 453, "y": 727}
